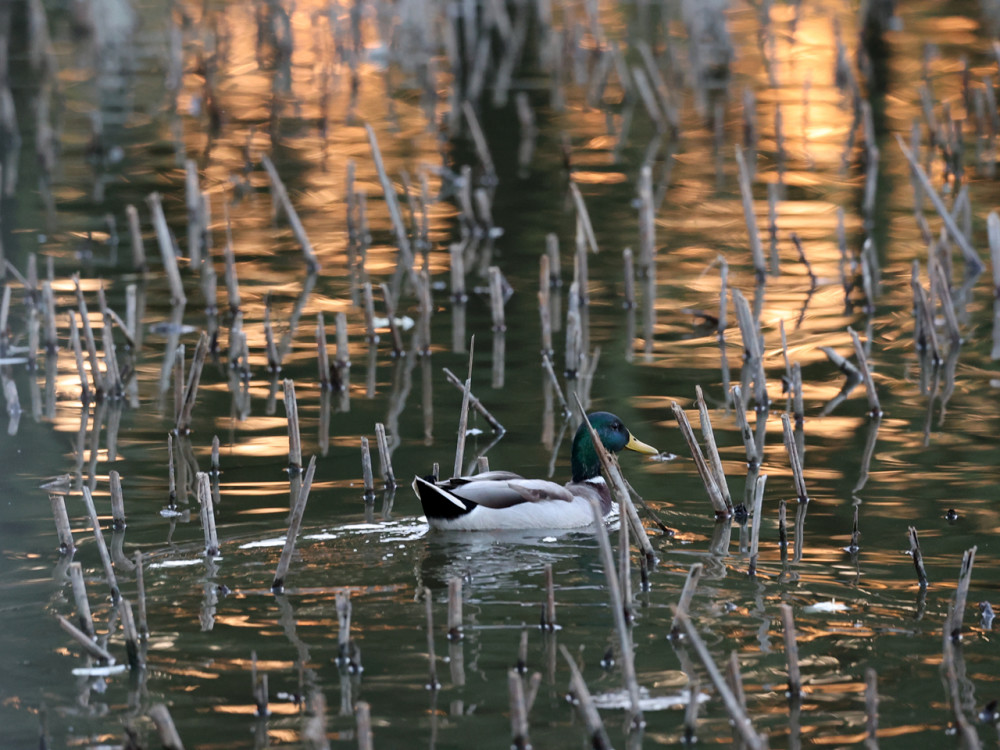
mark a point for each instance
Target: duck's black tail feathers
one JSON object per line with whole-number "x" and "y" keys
{"x": 438, "y": 502}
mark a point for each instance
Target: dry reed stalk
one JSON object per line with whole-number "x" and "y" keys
{"x": 258, "y": 688}
{"x": 171, "y": 473}
{"x": 737, "y": 715}
{"x": 102, "y": 547}
{"x": 791, "y": 652}
{"x": 463, "y": 417}
{"x": 366, "y": 468}
{"x": 963, "y": 728}
{"x": 972, "y": 261}
{"x": 385, "y": 457}
{"x": 518, "y": 711}
{"x": 746, "y": 192}
{"x": 918, "y": 558}
{"x": 167, "y": 254}
{"x": 574, "y": 333}
{"x": 369, "y": 310}
{"x": 348, "y": 655}
{"x": 140, "y": 596}
{"x": 74, "y": 339}
{"x": 479, "y": 140}
{"x": 752, "y": 345}
{"x": 617, "y": 610}
{"x": 191, "y": 388}
{"x": 390, "y": 313}
{"x": 475, "y": 403}
{"x": 343, "y": 352}
{"x": 294, "y": 436}
{"x": 855, "y": 544}
{"x": 432, "y": 680}
{"x": 794, "y": 459}
{"x": 135, "y": 660}
{"x": 585, "y": 705}
{"x": 88, "y": 338}
{"x": 392, "y": 201}
{"x": 718, "y": 500}
{"x": 135, "y": 234}
{"x": 625, "y": 571}
{"x": 691, "y": 709}
{"x": 544, "y": 303}
{"x": 749, "y": 444}
{"x": 874, "y": 408}
{"x": 782, "y": 528}
{"x": 117, "y": 501}
{"x": 192, "y": 201}
{"x": 294, "y": 525}
{"x": 954, "y": 626}
{"x": 687, "y": 594}
{"x": 947, "y": 307}
{"x": 455, "y": 609}
{"x": 550, "y": 371}
{"x": 628, "y": 276}
{"x": 758, "y": 512}
{"x": 160, "y": 716}
{"x": 79, "y": 585}
{"x": 496, "y": 299}
{"x": 49, "y": 306}
{"x": 64, "y": 532}
{"x": 207, "y": 513}
{"x": 584, "y": 216}
{"x": 281, "y": 197}
{"x": 91, "y": 647}
{"x": 871, "y": 709}
{"x": 549, "y": 610}
{"x": 273, "y": 359}
{"x": 714, "y": 459}
{"x": 363, "y": 724}
{"x": 322, "y": 355}
{"x": 232, "y": 280}
{"x": 773, "y": 196}
{"x": 457, "y": 268}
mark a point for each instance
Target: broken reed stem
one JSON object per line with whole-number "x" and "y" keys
{"x": 496, "y": 299}
{"x": 791, "y": 652}
{"x": 475, "y": 403}
{"x": 961, "y": 594}
{"x": 135, "y": 235}
{"x": 159, "y": 714}
{"x": 366, "y": 469}
{"x": 455, "y": 609}
{"x": 322, "y": 354}
{"x": 972, "y": 261}
{"x": 102, "y": 547}
{"x": 432, "y": 681}
{"x": 363, "y": 721}
{"x": 131, "y": 635}
{"x": 92, "y": 648}
{"x": 88, "y": 338}
{"x": 746, "y": 192}
{"x": 392, "y": 201}
{"x": 753, "y": 456}
{"x": 369, "y": 310}
{"x": 191, "y": 389}
{"x": 281, "y": 196}
{"x": 384, "y": 457}
{"x": 140, "y": 596}
{"x": 344, "y": 646}
{"x": 918, "y": 558}
{"x": 171, "y": 473}
{"x": 618, "y": 612}
{"x": 79, "y": 585}
{"x": 258, "y": 687}
{"x": 871, "y": 709}
{"x": 294, "y": 524}
{"x": 232, "y": 280}
{"x": 518, "y": 711}
{"x": 715, "y": 460}
{"x": 619, "y": 487}
{"x": 794, "y": 459}
{"x": 687, "y": 594}
{"x": 74, "y": 339}
{"x": 547, "y": 364}
{"x": 482, "y": 149}
{"x": 192, "y": 201}
{"x": 544, "y": 303}
{"x": 737, "y": 715}
{"x": 457, "y": 269}
{"x": 463, "y": 417}
{"x": 715, "y": 495}
{"x": 758, "y": 508}
{"x": 167, "y": 254}
{"x": 752, "y": 347}
{"x": 207, "y": 513}
{"x": 273, "y": 358}
{"x": 117, "y": 501}
{"x": 549, "y": 610}
{"x": 628, "y": 276}
{"x": 64, "y": 531}
{"x": 343, "y": 354}
{"x": 874, "y": 408}
{"x": 294, "y": 436}
{"x": 585, "y": 704}
{"x": 691, "y": 709}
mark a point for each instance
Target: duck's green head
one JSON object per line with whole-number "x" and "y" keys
{"x": 614, "y": 435}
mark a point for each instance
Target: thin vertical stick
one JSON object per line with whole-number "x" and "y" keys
{"x": 874, "y": 408}
{"x": 140, "y": 595}
{"x": 207, "y": 512}
{"x": 687, "y": 594}
{"x": 794, "y": 459}
{"x": 366, "y": 469}
{"x": 281, "y": 196}
{"x": 74, "y": 339}
{"x": 746, "y": 192}
{"x": 518, "y": 711}
{"x": 549, "y": 610}
{"x": 496, "y": 299}
{"x": 707, "y": 477}
{"x": 294, "y": 436}
{"x": 294, "y": 524}
{"x": 585, "y": 704}
{"x": 617, "y": 611}
{"x": 961, "y": 594}
{"x": 167, "y": 253}
{"x": 92, "y": 648}
{"x": 791, "y": 652}
{"x": 191, "y": 389}
{"x": 363, "y": 720}
{"x": 102, "y": 548}
{"x": 714, "y": 460}
{"x": 455, "y": 609}
{"x": 390, "y": 313}
{"x": 135, "y": 234}
{"x": 918, "y": 558}
{"x": 192, "y": 200}
{"x": 463, "y": 417}
{"x": 629, "y": 279}
{"x": 135, "y": 661}
{"x": 117, "y": 501}
{"x": 385, "y": 457}
{"x": 343, "y": 350}
{"x": 871, "y": 709}
{"x": 432, "y": 681}
{"x": 79, "y": 585}
{"x": 758, "y": 505}
{"x": 63, "y": 530}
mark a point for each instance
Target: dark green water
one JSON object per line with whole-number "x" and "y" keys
{"x": 206, "y": 617}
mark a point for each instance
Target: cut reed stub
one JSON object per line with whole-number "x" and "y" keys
{"x": 548, "y": 622}
{"x": 918, "y": 558}
{"x": 64, "y": 531}
{"x": 258, "y": 688}
{"x": 585, "y": 704}
{"x": 455, "y": 609}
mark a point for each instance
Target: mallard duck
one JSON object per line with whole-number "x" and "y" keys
{"x": 504, "y": 500}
